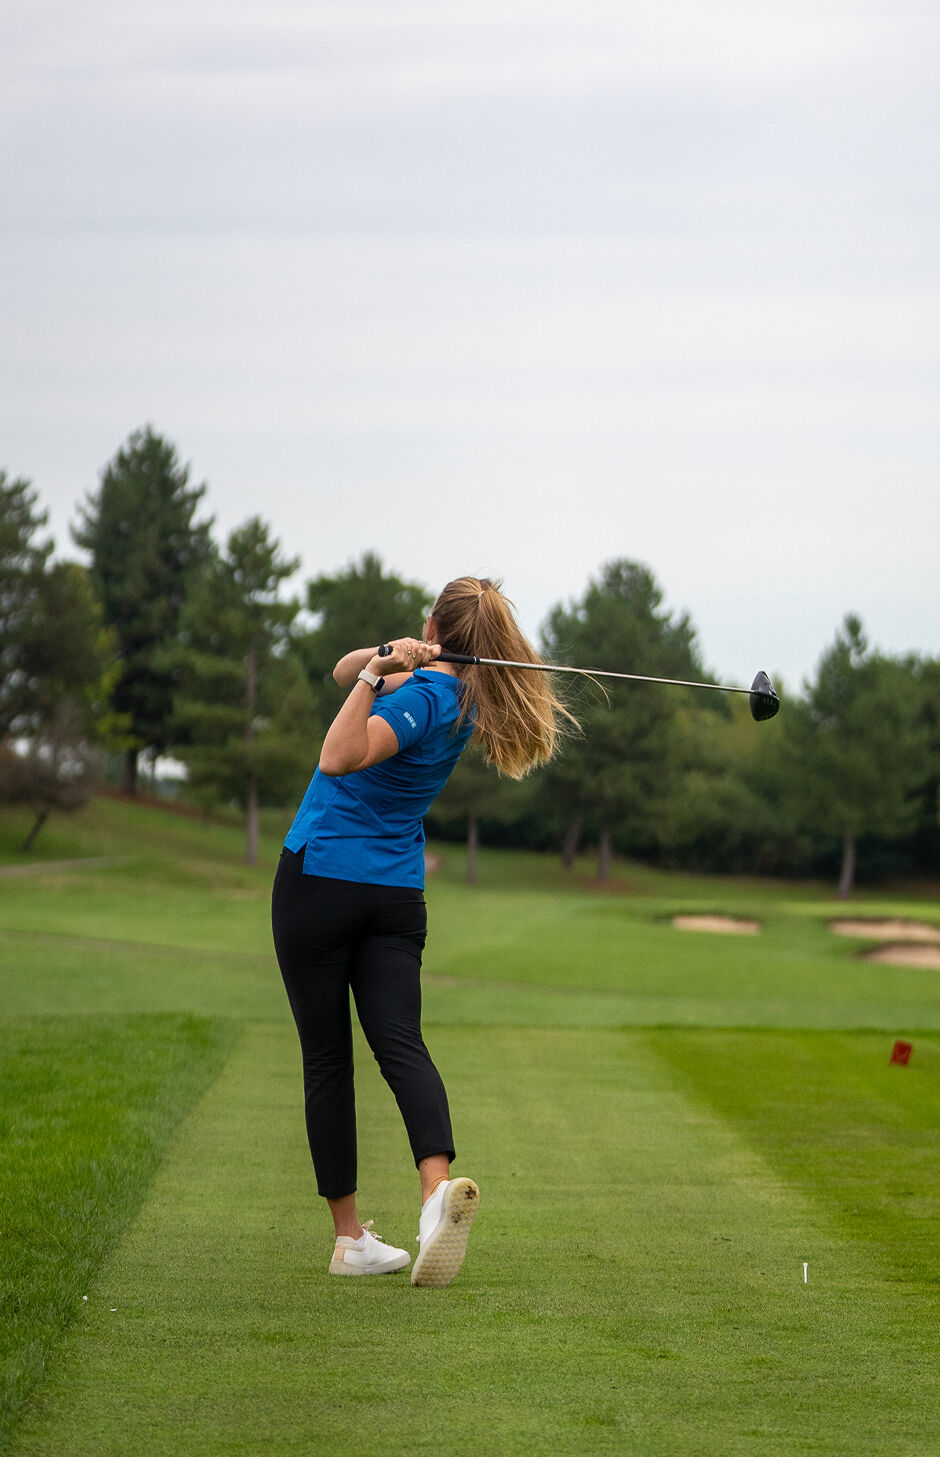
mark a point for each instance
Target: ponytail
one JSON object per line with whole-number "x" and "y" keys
{"x": 516, "y": 714}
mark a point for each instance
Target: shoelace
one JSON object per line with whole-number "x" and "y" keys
{"x": 367, "y": 1229}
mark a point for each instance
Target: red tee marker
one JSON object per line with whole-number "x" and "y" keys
{"x": 901, "y": 1052}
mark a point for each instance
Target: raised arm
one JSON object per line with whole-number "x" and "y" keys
{"x": 347, "y": 670}
{"x": 411, "y": 651}
{"x": 355, "y": 740}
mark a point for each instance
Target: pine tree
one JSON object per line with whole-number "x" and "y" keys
{"x": 23, "y": 562}
{"x": 244, "y": 715}
{"x": 858, "y": 746}
{"x": 360, "y": 607}
{"x": 615, "y": 778}
{"x": 146, "y": 550}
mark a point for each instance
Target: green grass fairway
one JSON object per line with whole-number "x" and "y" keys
{"x": 665, "y": 1127}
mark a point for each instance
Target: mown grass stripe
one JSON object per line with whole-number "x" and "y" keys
{"x": 836, "y": 1119}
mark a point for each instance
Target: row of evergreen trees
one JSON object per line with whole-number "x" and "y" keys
{"x": 170, "y": 643}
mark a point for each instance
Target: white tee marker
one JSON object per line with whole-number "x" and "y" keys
{"x": 805, "y": 1268}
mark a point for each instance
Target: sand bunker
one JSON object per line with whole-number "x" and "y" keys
{"x": 908, "y": 955}
{"x": 888, "y": 930}
{"x": 726, "y": 924}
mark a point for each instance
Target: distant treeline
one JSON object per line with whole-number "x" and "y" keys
{"x": 170, "y": 643}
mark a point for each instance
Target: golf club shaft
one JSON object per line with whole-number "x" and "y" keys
{"x": 468, "y": 660}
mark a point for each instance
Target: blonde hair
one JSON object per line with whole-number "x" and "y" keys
{"x": 517, "y": 716}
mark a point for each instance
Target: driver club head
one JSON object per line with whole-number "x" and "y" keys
{"x": 762, "y": 698}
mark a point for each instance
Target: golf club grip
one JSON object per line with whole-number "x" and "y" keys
{"x": 385, "y": 651}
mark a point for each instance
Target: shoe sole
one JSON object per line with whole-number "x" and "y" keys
{"x": 341, "y": 1267}
{"x": 442, "y": 1255}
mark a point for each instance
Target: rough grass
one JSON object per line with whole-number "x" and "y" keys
{"x": 665, "y": 1127}
{"x": 87, "y": 1106}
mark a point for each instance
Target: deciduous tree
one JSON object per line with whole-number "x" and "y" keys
{"x": 57, "y": 661}
{"x": 474, "y": 792}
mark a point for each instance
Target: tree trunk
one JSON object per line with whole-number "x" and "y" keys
{"x": 251, "y": 683}
{"x": 251, "y": 787}
{"x": 847, "y": 877}
{"x": 130, "y": 772}
{"x": 38, "y": 823}
{"x": 604, "y": 856}
{"x": 473, "y": 845}
{"x": 572, "y": 840}
{"x": 251, "y": 821}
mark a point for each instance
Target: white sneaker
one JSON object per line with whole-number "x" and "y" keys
{"x": 443, "y": 1231}
{"x": 368, "y": 1255}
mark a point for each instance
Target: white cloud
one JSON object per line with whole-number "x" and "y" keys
{"x": 323, "y": 56}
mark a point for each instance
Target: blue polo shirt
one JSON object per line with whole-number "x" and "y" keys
{"x": 367, "y": 826}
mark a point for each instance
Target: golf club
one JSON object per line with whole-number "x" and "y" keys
{"x": 762, "y": 698}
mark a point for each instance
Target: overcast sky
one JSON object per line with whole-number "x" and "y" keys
{"x": 510, "y": 287}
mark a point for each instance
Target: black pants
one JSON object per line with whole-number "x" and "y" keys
{"x": 331, "y": 935}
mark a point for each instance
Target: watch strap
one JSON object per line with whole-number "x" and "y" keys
{"x": 374, "y": 681}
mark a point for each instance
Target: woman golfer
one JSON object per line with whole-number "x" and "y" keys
{"x": 348, "y": 905}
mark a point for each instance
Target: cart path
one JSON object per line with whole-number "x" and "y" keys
{"x": 53, "y": 867}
